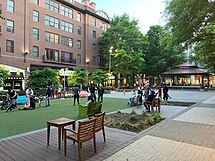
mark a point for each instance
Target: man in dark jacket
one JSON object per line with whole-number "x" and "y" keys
{"x": 92, "y": 91}
{"x": 76, "y": 92}
{"x": 100, "y": 93}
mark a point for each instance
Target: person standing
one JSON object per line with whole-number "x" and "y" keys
{"x": 29, "y": 92}
{"x": 48, "y": 95}
{"x": 52, "y": 88}
{"x": 100, "y": 93}
{"x": 76, "y": 92}
{"x": 92, "y": 91}
{"x": 140, "y": 94}
{"x": 165, "y": 93}
{"x": 59, "y": 92}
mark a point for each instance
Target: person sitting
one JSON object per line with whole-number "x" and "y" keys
{"x": 89, "y": 99}
{"x": 32, "y": 105}
{"x": 149, "y": 100}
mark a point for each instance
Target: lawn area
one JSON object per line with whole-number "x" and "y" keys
{"x": 16, "y": 122}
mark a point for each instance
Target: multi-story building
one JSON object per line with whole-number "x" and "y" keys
{"x": 49, "y": 33}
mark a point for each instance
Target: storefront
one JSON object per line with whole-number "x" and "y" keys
{"x": 15, "y": 78}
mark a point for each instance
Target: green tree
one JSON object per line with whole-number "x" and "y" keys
{"x": 193, "y": 22}
{"x": 43, "y": 78}
{"x": 162, "y": 53}
{"x": 127, "y": 41}
{"x": 3, "y": 76}
{"x": 78, "y": 77}
{"x": 99, "y": 76}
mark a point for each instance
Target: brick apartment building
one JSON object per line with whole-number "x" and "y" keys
{"x": 49, "y": 33}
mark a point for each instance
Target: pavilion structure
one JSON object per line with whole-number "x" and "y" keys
{"x": 188, "y": 75}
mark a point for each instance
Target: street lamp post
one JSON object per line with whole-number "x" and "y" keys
{"x": 64, "y": 79}
{"x": 110, "y": 52}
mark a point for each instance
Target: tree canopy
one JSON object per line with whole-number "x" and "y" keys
{"x": 162, "y": 53}
{"x": 193, "y": 22}
{"x": 43, "y": 78}
{"x": 78, "y": 77}
{"x": 128, "y": 45}
{"x": 2, "y": 76}
{"x": 99, "y": 76}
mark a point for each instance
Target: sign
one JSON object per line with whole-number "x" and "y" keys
{"x": 65, "y": 73}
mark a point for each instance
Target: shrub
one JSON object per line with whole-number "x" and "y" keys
{"x": 112, "y": 122}
{"x": 125, "y": 125}
{"x": 156, "y": 117}
{"x": 133, "y": 112}
{"x": 144, "y": 113}
{"x": 119, "y": 112}
{"x": 143, "y": 123}
{"x": 133, "y": 118}
{"x": 150, "y": 120}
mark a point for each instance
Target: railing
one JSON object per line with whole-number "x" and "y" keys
{"x": 59, "y": 61}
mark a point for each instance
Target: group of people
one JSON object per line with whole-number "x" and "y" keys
{"x": 149, "y": 94}
{"x": 92, "y": 93}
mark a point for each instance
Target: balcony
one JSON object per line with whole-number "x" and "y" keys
{"x": 59, "y": 60}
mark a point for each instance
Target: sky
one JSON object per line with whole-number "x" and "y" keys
{"x": 147, "y": 12}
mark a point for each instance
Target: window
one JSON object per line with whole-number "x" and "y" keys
{"x": 66, "y": 57}
{"x": 70, "y": 1}
{"x": 36, "y": 2}
{"x": 94, "y": 21}
{"x": 103, "y": 26}
{"x": 10, "y": 6}
{"x": 35, "y": 16}
{"x": 10, "y": 46}
{"x": 50, "y": 37}
{"x": 79, "y": 30}
{"x": 94, "y": 46}
{"x": 79, "y": 44}
{"x": 66, "y": 41}
{"x": 36, "y": 33}
{"x": 94, "y": 34}
{"x": 51, "y": 21}
{"x": 78, "y": 17}
{"x": 52, "y": 6}
{"x": 52, "y": 55}
{"x": 66, "y": 26}
{"x": 10, "y": 26}
{"x": 66, "y": 12}
{"x": 94, "y": 60}
{"x": 78, "y": 58}
{"x": 35, "y": 51}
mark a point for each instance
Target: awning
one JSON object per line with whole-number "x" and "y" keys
{"x": 15, "y": 75}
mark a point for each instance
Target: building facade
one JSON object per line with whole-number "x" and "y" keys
{"x": 50, "y": 33}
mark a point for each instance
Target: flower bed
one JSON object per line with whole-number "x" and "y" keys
{"x": 132, "y": 121}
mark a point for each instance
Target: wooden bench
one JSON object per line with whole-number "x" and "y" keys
{"x": 90, "y": 110}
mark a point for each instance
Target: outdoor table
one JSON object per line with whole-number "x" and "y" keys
{"x": 60, "y": 124}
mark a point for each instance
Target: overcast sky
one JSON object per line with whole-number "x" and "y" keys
{"x": 147, "y": 12}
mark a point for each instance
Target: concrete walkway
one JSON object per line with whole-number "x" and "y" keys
{"x": 187, "y": 136}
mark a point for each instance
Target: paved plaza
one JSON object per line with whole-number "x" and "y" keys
{"x": 189, "y": 135}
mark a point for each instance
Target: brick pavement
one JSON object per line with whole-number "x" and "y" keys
{"x": 187, "y": 136}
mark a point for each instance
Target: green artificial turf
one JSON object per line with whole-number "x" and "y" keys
{"x": 16, "y": 122}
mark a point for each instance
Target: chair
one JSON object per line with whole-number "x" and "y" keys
{"x": 100, "y": 123}
{"x": 86, "y": 131}
{"x": 156, "y": 103}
